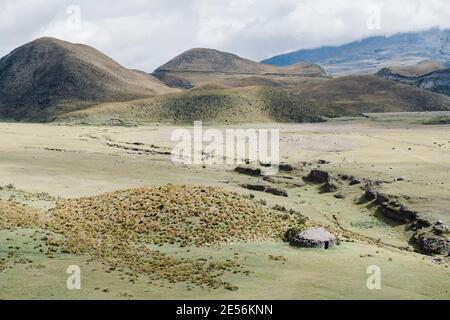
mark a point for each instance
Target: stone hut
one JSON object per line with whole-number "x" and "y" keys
{"x": 314, "y": 238}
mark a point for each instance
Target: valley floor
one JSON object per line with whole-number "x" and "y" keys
{"x": 411, "y": 159}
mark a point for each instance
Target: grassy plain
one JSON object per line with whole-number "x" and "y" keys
{"x": 42, "y": 165}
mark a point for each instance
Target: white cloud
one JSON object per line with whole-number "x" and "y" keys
{"x": 144, "y": 34}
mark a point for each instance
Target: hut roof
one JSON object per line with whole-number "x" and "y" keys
{"x": 317, "y": 234}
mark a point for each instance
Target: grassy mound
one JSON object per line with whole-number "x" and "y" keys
{"x": 124, "y": 229}
{"x": 181, "y": 215}
{"x": 120, "y": 227}
{"x": 14, "y": 215}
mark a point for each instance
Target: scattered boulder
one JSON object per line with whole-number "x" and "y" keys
{"x": 391, "y": 207}
{"x": 249, "y": 171}
{"x": 370, "y": 195}
{"x": 321, "y": 176}
{"x": 286, "y": 167}
{"x": 396, "y": 211}
{"x": 282, "y": 167}
{"x": 313, "y": 238}
{"x": 318, "y": 176}
{"x": 276, "y": 191}
{"x": 354, "y": 181}
{"x": 330, "y": 186}
{"x": 433, "y": 240}
{"x": 266, "y": 189}
{"x": 288, "y": 181}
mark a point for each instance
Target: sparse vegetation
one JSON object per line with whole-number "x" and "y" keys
{"x": 122, "y": 228}
{"x": 305, "y": 102}
{"x": 181, "y": 215}
{"x": 14, "y": 215}
{"x": 437, "y": 120}
{"x": 291, "y": 233}
{"x": 277, "y": 258}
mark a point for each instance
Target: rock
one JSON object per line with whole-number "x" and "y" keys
{"x": 249, "y": 171}
{"x": 318, "y": 176}
{"x": 330, "y": 186}
{"x": 276, "y": 191}
{"x": 265, "y": 188}
{"x": 288, "y": 181}
{"x": 354, "y": 181}
{"x": 390, "y": 207}
{"x": 440, "y": 229}
{"x": 299, "y": 183}
{"x": 286, "y": 167}
{"x": 254, "y": 187}
{"x": 370, "y": 195}
{"x": 433, "y": 240}
{"x": 283, "y": 167}
{"x": 314, "y": 238}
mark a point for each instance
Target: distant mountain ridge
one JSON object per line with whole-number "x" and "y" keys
{"x": 372, "y": 54}
{"x": 212, "y": 60}
{"x": 53, "y": 80}
{"x": 199, "y": 65}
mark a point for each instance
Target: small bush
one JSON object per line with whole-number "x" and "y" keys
{"x": 290, "y": 234}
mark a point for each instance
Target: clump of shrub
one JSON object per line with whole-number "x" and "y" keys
{"x": 291, "y": 233}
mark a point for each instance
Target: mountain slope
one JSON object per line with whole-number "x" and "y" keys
{"x": 372, "y": 54}
{"x": 370, "y": 94}
{"x": 209, "y": 104}
{"x": 200, "y": 66}
{"x": 47, "y": 77}
{"x": 309, "y": 101}
{"x": 429, "y": 76}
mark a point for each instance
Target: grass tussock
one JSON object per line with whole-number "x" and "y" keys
{"x": 124, "y": 228}
{"x": 181, "y": 215}
{"x": 14, "y": 215}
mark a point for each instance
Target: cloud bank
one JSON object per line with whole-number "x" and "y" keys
{"x": 145, "y": 34}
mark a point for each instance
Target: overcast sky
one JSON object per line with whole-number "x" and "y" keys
{"x": 144, "y": 34}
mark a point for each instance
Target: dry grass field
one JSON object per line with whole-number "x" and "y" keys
{"x": 109, "y": 200}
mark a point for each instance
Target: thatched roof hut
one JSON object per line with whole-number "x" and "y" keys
{"x": 314, "y": 238}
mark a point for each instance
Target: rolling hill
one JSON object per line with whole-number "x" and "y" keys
{"x": 205, "y": 66}
{"x": 307, "y": 102}
{"x": 372, "y": 54}
{"x": 429, "y": 75}
{"x": 53, "y": 80}
{"x": 371, "y": 94}
{"x": 48, "y": 77}
{"x": 209, "y": 104}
